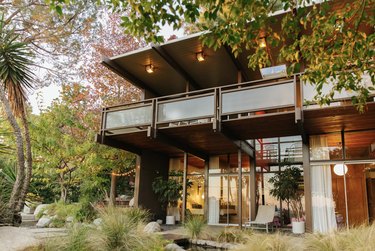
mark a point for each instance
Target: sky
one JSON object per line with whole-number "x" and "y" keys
{"x": 42, "y": 98}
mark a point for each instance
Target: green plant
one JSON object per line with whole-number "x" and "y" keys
{"x": 234, "y": 235}
{"x": 268, "y": 242}
{"x": 194, "y": 225}
{"x": 75, "y": 240}
{"x": 138, "y": 215}
{"x": 286, "y": 187}
{"x": 168, "y": 191}
{"x": 86, "y": 211}
{"x": 121, "y": 231}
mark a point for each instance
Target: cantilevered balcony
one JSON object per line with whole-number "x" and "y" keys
{"x": 208, "y": 121}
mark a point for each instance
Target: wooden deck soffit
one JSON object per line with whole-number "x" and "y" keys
{"x": 117, "y": 144}
{"x": 237, "y": 63}
{"x": 128, "y": 76}
{"x": 169, "y": 59}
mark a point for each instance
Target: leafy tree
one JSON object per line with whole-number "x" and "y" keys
{"x": 332, "y": 40}
{"x": 15, "y": 79}
{"x": 68, "y": 158}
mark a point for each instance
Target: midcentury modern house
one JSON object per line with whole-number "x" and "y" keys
{"x": 228, "y": 130}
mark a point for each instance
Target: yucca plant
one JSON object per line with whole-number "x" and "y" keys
{"x": 194, "y": 225}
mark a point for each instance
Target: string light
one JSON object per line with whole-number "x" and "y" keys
{"x": 124, "y": 174}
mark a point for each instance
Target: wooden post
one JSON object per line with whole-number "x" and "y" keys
{"x": 253, "y": 185}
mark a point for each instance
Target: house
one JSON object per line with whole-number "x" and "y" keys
{"x": 229, "y": 129}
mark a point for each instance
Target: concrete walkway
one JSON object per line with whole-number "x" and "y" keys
{"x": 20, "y": 238}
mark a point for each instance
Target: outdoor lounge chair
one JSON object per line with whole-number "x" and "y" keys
{"x": 264, "y": 218}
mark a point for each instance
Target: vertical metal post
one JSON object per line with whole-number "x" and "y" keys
{"x": 343, "y": 171}
{"x": 253, "y": 188}
{"x": 206, "y": 184}
{"x": 307, "y": 185}
{"x": 184, "y": 188}
{"x": 239, "y": 192}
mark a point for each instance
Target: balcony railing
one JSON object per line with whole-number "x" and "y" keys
{"x": 203, "y": 106}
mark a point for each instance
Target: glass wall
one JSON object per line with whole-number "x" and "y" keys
{"x": 196, "y": 184}
{"x": 273, "y": 156}
{"x": 341, "y": 178}
{"x": 226, "y": 204}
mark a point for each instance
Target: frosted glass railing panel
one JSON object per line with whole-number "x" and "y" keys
{"x": 129, "y": 117}
{"x": 309, "y": 90}
{"x": 186, "y": 109}
{"x": 258, "y": 98}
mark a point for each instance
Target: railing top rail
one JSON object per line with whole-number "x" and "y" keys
{"x": 136, "y": 104}
{"x": 182, "y": 98}
{"x": 246, "y": 87}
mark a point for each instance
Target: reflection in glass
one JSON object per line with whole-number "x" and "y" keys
{"x": 326, "y": 147}
{"x": 360, "y": 145}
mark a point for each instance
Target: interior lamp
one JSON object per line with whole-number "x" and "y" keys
{"x": 149, "y": 68}
{"x": 200, "y": 56}
{"x": 340, "y": 169}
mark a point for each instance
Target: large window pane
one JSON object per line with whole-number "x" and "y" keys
{"x": 195, "y": 198}
{"x": 326, "y": 147}
{"x": 360, "y": 145}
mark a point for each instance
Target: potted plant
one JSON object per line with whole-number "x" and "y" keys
{"x": 169, "y": 192}
{"x": 286, "y": 187}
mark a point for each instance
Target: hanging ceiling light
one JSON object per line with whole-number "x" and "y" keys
{"x": 340, "y": 169}
{"x": 149, "y": 68}
{"x": 200, "y": 56}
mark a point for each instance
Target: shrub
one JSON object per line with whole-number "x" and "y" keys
{"x": 234, "y": 235}
{"x": 270, "y": 242}
{"x": 194, "y": 225}
{"x": 121, "y": 229}
{"x": 76, "y": 240}
{"x": 86, "y": 211}
{"x": 138, "y": 215}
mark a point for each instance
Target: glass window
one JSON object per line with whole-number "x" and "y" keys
{"x": 195, "y": 195}
{"x": 360, "y": 145}
{"x": 224, "y": 164}
{"x": 195, "y": 165}
{"x": 326, "y": 147}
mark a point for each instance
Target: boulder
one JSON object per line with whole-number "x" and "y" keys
{"x": 43, "y": 222}
{"x": 173, "y": 247}
{"x": 97, "y": 222}
{"x": 69, "y": 219}
{"x": 152, "y": 227}
{"x": 39, "y": 208}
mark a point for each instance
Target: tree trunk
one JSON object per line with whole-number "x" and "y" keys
{"x": 63, "y": 190}
{"x": 15, "y": 195}
{"x": 112, "y": 196}
{"x": 29, "y": 163}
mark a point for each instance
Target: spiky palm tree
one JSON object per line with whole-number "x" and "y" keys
{"x": 15, "y": 78}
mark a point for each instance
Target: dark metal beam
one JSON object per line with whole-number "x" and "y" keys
{"x": 180, "y": 145}
{"x": 237, "y": 63}
{"x": 302, "y": 131}
{"x": 242, "y": 144}
{"x": 117, "y": 144}
{"x": 128, "y": 76}
{"x": 165, "y": 55}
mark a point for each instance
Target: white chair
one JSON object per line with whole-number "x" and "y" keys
{"x": 264, "y": 218}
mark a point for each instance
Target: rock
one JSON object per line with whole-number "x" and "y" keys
{"x": 201, "y": 242}
{"x": 69, "y": 219}
{"x": 43, "y": 222}
{"x": 173, "y": 247}
{"x": 97, "y": 222}
{"x": 152, "y": 227}
{"x": 39, "y": 208}
{"x": 131, "y": 203}
{"x": 28, "y": 210}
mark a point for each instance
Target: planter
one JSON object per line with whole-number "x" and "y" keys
{"x": 298, "y": 227}
{"x": 170, "y": 220}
